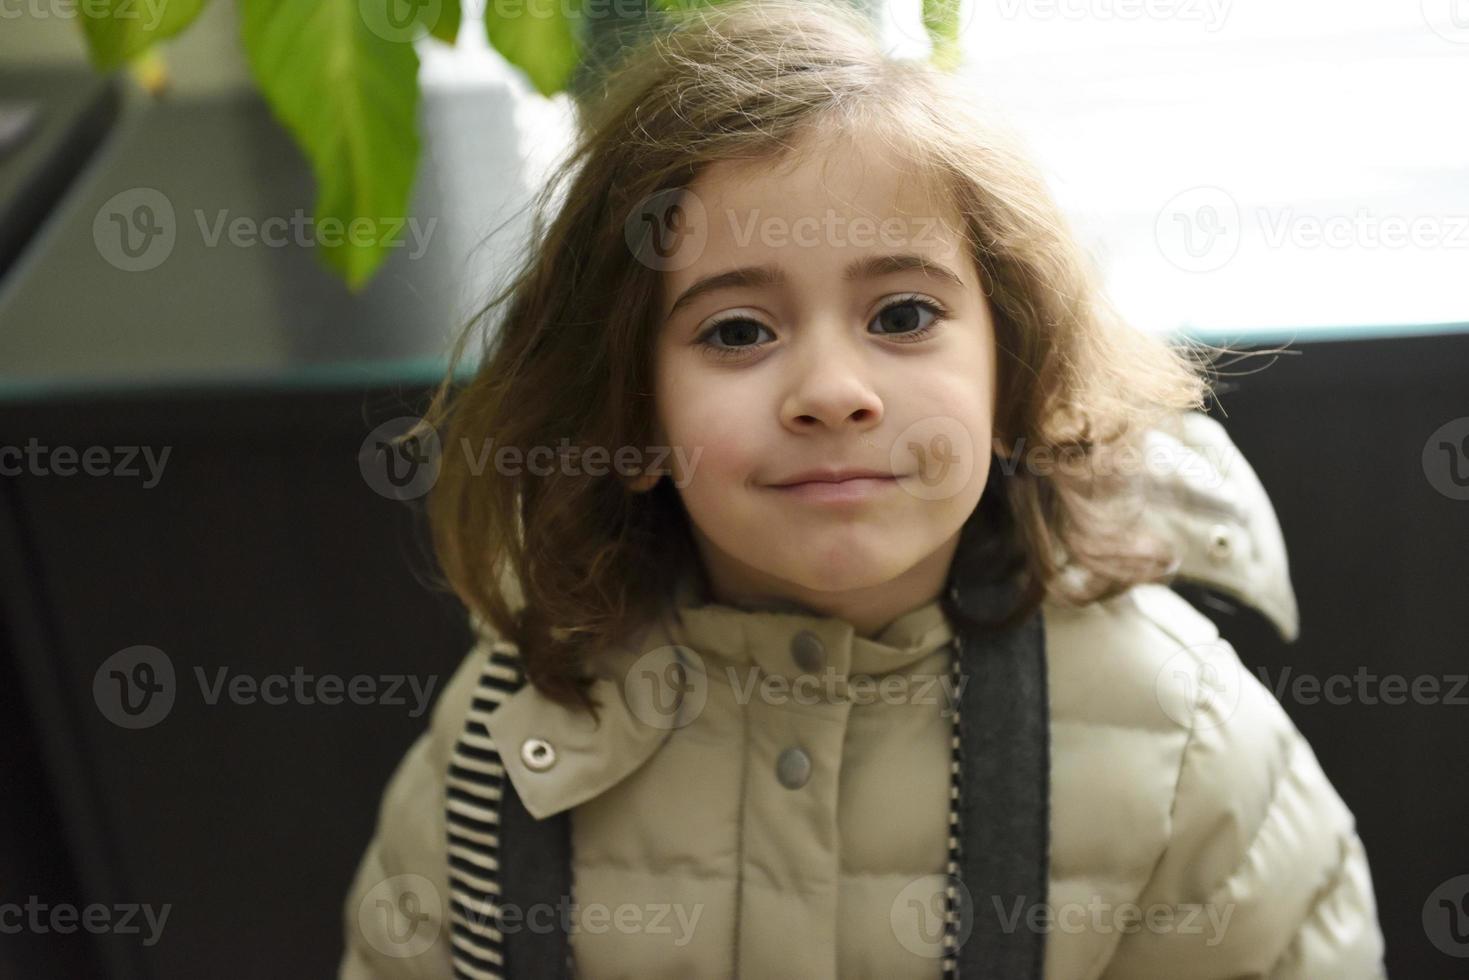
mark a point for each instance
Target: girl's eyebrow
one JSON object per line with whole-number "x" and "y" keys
{"x": 867, "y": 267}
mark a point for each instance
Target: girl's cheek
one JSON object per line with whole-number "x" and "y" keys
{"x": 720, "y": 458}
{"x": 712, "y": 444}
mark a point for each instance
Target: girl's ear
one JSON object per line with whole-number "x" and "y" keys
{"x": 646, "y": 481}
{"x": 643, "y": 482}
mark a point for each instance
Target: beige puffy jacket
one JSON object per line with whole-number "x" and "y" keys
{"x": 1193, "y": 833}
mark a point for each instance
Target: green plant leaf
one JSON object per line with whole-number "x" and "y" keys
{"x": 118, "y": 30}
{"x": 941, "y": 20}
{"x": 349, "y": 97}
{"x": 537, "y": 37}
{"x": 445, "y": 26}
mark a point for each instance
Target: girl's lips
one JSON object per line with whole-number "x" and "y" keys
{"x": 855, "y": 490}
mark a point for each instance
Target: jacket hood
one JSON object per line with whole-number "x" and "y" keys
{"x": 1204, "y": 497}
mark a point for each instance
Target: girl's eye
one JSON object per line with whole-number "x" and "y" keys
{"x": 901, "y": 320}
{"x": 904, "y": 320}
{"x": 732, "y": 337}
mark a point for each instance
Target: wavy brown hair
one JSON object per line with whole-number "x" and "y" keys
{"x": 565, "y": 564}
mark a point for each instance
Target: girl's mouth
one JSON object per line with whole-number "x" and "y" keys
{"x": 849, "y": 491}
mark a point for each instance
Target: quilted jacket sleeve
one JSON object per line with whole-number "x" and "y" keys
{"x": 1264, "y": 875}
{"x": 396, "y": 915}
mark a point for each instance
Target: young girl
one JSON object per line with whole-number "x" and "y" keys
{"x": 797, "y": 502}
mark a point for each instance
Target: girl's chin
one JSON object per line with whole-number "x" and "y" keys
{"x": 842, "y": 571}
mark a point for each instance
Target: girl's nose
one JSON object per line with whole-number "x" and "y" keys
{"x": 830, "y": 387}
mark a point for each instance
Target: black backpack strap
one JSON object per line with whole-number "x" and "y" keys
{"x": 1005, "y": 798}
{"x": 1004, "y": 743}
{"x": 535, "y": 878}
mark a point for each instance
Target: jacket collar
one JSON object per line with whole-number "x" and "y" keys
{"x": 587, "y": 758}
{"x": 794, "y": 641}
{"x": 590, "y": 758}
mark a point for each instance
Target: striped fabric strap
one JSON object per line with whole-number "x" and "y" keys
{"x": 953, "y": 908}
{"x": 474, "y": 784}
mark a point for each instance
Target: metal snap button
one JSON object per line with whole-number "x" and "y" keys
{"x": 537, "y": 754}
{"x": 1220, "y": 545}
{"x": 793, "y": 768}
{"x": 807, "y": 651}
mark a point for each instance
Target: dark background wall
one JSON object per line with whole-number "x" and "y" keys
{"x": 262, "y": 551}
{"x": 1380, "y": 561}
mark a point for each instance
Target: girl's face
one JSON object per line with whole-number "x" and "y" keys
{"x": 802, "y": 341}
